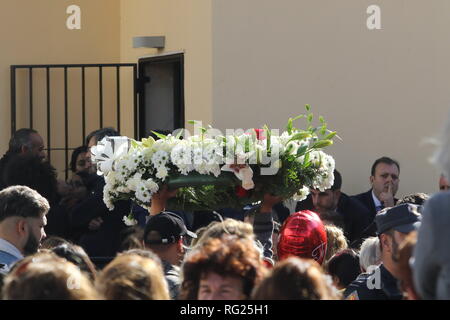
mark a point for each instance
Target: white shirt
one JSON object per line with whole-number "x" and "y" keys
{"x": 10, "y": 248}
{"x": 376, "y": 201}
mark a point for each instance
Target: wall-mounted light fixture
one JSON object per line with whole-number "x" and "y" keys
{"x": 149, "y": 42}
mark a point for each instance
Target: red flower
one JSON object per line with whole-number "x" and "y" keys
{"x": 259, "y": 134}
{"x": 241, "y": 192}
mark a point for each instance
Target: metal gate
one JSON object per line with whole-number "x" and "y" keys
{"x": 23, "y": 80}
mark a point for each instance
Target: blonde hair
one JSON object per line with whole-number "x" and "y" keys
{"x": 45, "y": 276}
{"x": 296, "y": 278}
{"x": 228, "y": 226}
{"x": 336, "y": 241}
{"x": 133, "y": 277}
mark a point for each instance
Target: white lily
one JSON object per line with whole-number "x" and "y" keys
{"x": 243, "y": 173}
{"x": 108, "y": 150}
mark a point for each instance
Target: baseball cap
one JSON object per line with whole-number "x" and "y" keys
{"x": 402, "y": 218}
{"x": 168, "y": 228}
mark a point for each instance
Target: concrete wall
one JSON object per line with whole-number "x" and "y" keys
{"x": 255, "y": 62}
{"x": 384, "y": 91}
{"x": 35, "y": 32}
{"x": 186, "y": 24}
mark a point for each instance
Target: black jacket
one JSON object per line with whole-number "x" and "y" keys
{"x": 105, "y": 241}
{"x": 367, "y": 200}
{"x": 365, "y": 286}
{"x": 3, "y": 162}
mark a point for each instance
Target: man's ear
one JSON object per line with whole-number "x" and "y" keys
{"x": 371, "y": 179}
{"x": 385, "y": 243}
{"x": 180, "y": 247}
{"x": 22, "y": 227}
{"x": 23, "y": 149}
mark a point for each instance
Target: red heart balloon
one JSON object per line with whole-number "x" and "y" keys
{"x": 303, "y": 235}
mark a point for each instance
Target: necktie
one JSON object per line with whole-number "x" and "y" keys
{"x": 379, "y": 208}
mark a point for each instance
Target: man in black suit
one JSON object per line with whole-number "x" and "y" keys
{"x": 384, "y": 179}
{"x": 336, "y": 207}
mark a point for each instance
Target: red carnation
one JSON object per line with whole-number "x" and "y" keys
{"x": 259, "y": 134}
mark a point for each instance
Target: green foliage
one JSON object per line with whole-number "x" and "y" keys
{"x": 295, "y": 169}
{"x": 159, "y": 135}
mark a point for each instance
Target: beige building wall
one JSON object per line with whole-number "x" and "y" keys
{"x": 251, "y": 62}
{"x": 384, "y": 91}
{"x": 186, "y": 24}
{"x": 35, "y": 32}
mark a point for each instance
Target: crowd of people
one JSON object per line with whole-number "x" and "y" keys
{"x": 58, "y": 240}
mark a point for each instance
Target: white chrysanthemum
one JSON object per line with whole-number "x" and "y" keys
{"x": 151, "y": 185}
{"x": 134, "y": 160}
{"x": 301, "y": 194}
{"x": 134, "y": 181}
{"x": 142, "y": 193}
{"x": 214, "y": 169}
{"x": 110, "y": 178}
{"x": 182, "y": 158}
{"x": 162, "y": 173}
{"x": 148, "y": 153}
{"x": 316, "y": 158}
{"x": 160, "y": 158}
{"x": 107, "y": 199}
{"x": 197, "y": 155}
{"x": 121, "y": 168}
{"x": 325, "y": 165}
{"x": 122, "y": 189}
{"x": 129, "y": 221}
{"x": 213, "y": 154}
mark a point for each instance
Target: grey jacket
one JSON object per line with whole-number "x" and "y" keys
{"x": 431, "y": 267}
{"x": 172, "y": 275}
{"x": 263, "y": 229}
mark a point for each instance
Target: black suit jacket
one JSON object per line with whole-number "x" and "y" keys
{"x": 367, "y": 200}
{"x": 355, "y": 216}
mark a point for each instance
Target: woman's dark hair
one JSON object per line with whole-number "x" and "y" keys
{"x": 77, "y": 256}
{"x": 344, "y": 265}
{"x": 53, "y": 241}
{"x": 101, "y": 133}
{"x": 73, "y": 160}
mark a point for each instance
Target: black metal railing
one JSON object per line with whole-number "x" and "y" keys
{"x": 49, "y": 108}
